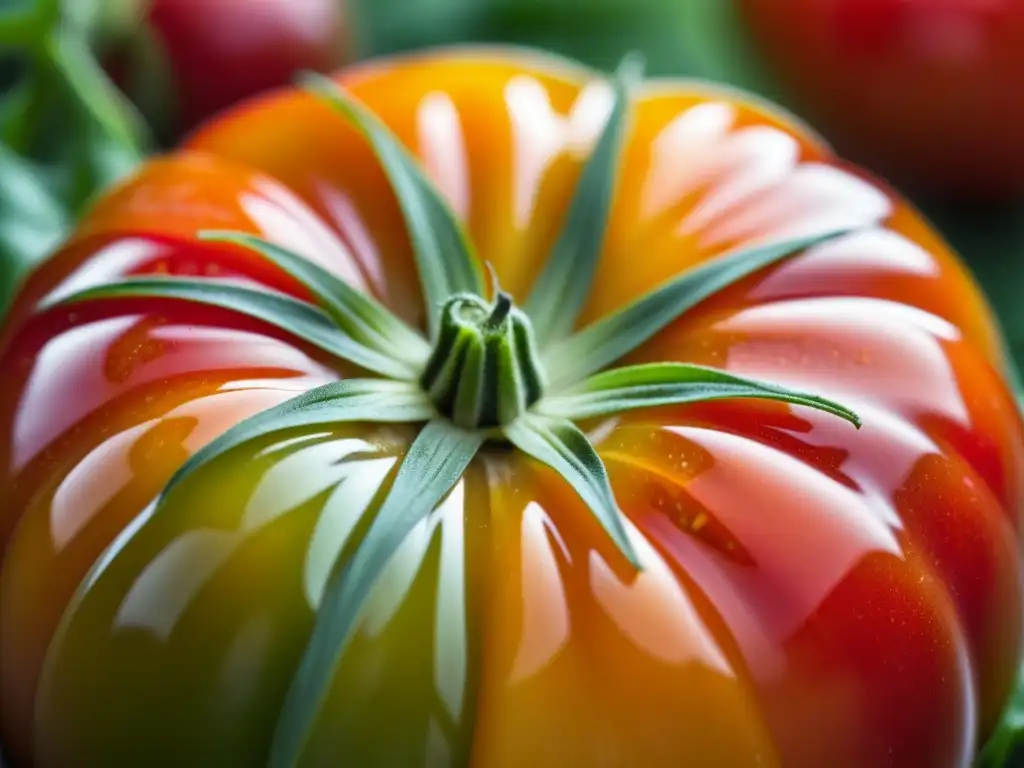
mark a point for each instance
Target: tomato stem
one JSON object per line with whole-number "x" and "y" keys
{"x": 500, "y": 311}
{"x": 484, "y": 371}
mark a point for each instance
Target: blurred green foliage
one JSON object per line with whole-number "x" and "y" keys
{"x": 991, "y": 239}
{"x": 65, "y": 131}
{"x": 691, "y": 38}
{"x": 670, "y": 33}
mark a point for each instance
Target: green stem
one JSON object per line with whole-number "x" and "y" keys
{"x": 484, "y": 371}
{"x": 500, "y": 311}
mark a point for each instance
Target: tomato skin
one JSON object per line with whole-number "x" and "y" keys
{"x": 218, "y": 52}
{"x": 812, "y": 594}
{"x": 924, "y": 91}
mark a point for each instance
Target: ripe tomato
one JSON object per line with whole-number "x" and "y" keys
{"x": 812, "y": 594}
{"x": 926, "y": 91}
{"x": 212, "y": 53}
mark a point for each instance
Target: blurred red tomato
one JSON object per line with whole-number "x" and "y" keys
{"x": 927, "y": 92}
{"x": 193, "y": 58}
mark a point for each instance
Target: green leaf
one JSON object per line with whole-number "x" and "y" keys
{"x": 610, "y": 338}
{"x": 654, "y": 384}
{"x": 564, "y": 284}
{"x": 48, "y": 12}
{"x": 298, "y": 318}
{"x": 1005, "y": 748}
{"x": 434, "y": 464}
{"x": 17, "y": 25}
{"x": 96, "y": 94}
{"x": 362, "y": 317}
{"x": 32, "y": 223}
{"x": 349, "y": 400}
{"x": 97, "y": 163}
{"x": 20, "y": 108}
{"x": 563, "y": 447}
{"x": 444, "y": 256}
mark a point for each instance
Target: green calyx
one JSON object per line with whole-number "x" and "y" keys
{"x": 485, "y": 371}
{"x": 479, "y": 371}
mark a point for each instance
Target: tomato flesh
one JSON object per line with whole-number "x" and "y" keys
{"x": 812, "y": 594}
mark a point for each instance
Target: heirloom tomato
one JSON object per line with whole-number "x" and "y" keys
{"x": 228, "y": 541}
{"x": 926, "y": 91}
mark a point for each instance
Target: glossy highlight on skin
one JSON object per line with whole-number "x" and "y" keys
{"x": 812, "y": 594}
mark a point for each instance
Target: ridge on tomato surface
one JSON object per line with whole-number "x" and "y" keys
{"x": 721, "y": 466}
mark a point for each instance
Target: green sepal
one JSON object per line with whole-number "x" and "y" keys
{"x": 433, "y": 465}
{"x": 296, "y": 317}
{"x": 1005, "y": 748}
{"x": 562, "y": 446}
{"x": 361, "y": 316}
{"x": 562, "y": 286}
{"x": 349, "y": 400}
{"x": 656, "y": 384}
{"x": 340, "y": 402}
{"x": 603, "y": 342}
{"x": 444, "y": 256}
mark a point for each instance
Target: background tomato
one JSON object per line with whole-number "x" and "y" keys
{"x": 812, "y": 594}
{"x": 192, "y": 58}
{"x": 926, "y": 92}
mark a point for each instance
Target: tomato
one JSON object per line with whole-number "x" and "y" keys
{"x": 926, "y": 91}
{"x": 811, "y": 594}
{"x": 217, "y": 52}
